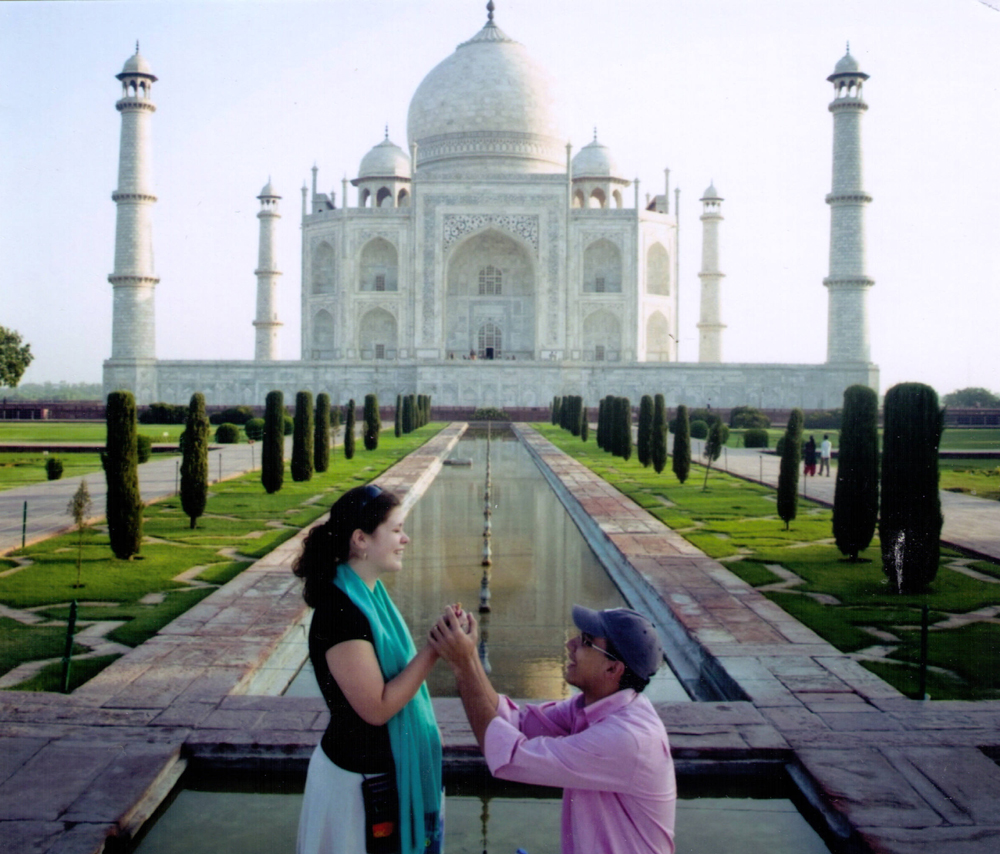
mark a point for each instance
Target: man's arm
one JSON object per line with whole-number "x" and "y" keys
{"x": 458, "y": 648}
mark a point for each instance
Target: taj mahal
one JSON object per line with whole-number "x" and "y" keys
{"x": 487, "y": 263}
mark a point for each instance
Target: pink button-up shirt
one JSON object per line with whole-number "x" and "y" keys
{"x": 611, "y": 759}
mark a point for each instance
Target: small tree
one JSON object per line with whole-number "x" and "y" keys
{"x": 194, "y": 460}
{"x": 599, "y": 437}
{"x": 121, "y": 468}
{"x": 910, "y": 519}
{"x": 855, "y": 501}
{"x": 398, "y": 425}
{"x": 713, "y": 448}
{"x": 556, "y": 407}
{"x": 53, "y": 468}
{"x": 643, "y": 445}
{"x": 373, "y": 422}
{"x": 788, "y": 474}
{"x": 14, "y": 357}
{"x": 682, "y": 445}
{"x": 584, "y": 422}
{"x": 272, "y": 455}
{"x": 658, "y": 435}
{"x": 408, "y": 414}
{"x": 80, "y": 508}
{"x": 349, "y": 418}
{"x": 302, "y": 437}
{"x": 321, "y": 438}
{"x": 625, "y": 427}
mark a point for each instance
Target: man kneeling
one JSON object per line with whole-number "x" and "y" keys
{"x": 605, "y": 747}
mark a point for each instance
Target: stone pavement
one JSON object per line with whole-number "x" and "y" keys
{"x": 879, "y": 772}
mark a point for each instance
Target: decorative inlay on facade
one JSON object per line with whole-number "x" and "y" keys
{"x": 363, "y": 236}
{"x": 458, "y": 225}
{"x": 132, "y": 197}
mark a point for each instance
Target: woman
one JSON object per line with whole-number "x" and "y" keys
{"x": 382, "y": 726}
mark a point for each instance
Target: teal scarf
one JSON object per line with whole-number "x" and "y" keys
{"x": 413, "y": 731}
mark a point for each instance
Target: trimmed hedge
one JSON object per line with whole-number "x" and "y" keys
{"x": 227, "y": 434}
{"x": 755, "y": 438}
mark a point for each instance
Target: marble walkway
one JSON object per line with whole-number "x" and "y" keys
{"x": 880, "y": 772}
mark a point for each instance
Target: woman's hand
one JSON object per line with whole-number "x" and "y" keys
{"x": 455, "y": 635}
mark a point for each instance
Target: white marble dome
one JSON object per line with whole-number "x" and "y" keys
{"x": 711, "y": 193}
{"x": 135, "y": 64}
{"x": 488, "y": 106}
{"x": 268, "y": 192}
{"x": 847, "y": 65}
{"x": 385, "y": 160}
{"x": 595, "y": 161}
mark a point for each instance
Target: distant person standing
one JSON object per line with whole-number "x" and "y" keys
{"x": 809, "y": 457}
{"x": 825, "y": 450}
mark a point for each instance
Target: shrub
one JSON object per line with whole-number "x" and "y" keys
{"x": 755, "y": 437}
{"x": 855, "y": 501}
{"x": 682, "y": 444}
{"x": 788, "y": 474}
{"x": 823, "y": 419}
{"x": 53, "y": 468}
{"x": 349, "y": 418}
{"x": 143, "y": 448}
{"x": 302, "y": 438}
{"x": 254, "y": 428}
{"x": 227, "y": 434}
{"x": 409, "y": 416}
{"x": 321, "y": 438}
{"x": 373, "y": 422}
{"x": 287, "y": 424}
{"x": 194, "y": 460}
{"x": 910, "y": 518}
{"x": 645, "y": 433}
{"x": 272, "y": 455}
{"x": 489, "y": 413}
{"x": 121, "y": 468}
{"x": 163, "y": 413}
{"x": 658, "y": 435}
{"x": 233, "y": 415}
{"x": 584, "y": 423}
{"x": 748, "y": 417}
{"x": 699, "y": 429}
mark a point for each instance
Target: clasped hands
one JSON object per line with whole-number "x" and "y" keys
{"x": 454, "y": 636}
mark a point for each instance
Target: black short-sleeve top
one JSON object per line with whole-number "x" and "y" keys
{"x": 349, "y": 741}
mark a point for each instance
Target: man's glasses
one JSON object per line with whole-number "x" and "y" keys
{"x": 588, "y": 640}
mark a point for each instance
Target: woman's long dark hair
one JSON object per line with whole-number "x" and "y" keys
{"x": 329, "y": 544}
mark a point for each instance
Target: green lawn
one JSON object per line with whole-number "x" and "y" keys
{"x": 736, "y": 521}
{"x": 43, "y": 432}
{"x": 25, "y": 469}
{"x": 237, "y": 528}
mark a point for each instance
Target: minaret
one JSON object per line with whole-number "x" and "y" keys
{"x": 266, "y": 324}
{"x": 133, "y": 333}
{"x": 847, "y": 333}
{"x": 710, "y": 325}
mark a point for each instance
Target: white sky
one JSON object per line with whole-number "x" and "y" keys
{"x": 723, "y": 90}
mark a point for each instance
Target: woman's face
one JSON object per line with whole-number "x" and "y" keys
{"x": 385, "y": 545}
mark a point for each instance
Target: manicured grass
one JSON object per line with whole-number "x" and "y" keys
{"x": 971, "y": 476}
{"x": 43, "y": 432}
{"x": 737, "y": 518}
{"x": 20, "y": 643}
{"x": 49, "y": 678}
{"x": 25, "y": 469}
{"x": 240, "y": 516}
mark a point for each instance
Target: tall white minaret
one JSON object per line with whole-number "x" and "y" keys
{"x": 847, "y": 284}
{"x": 133, "y": 333}
{"x": 266, "y": 324}
{"x": 710, "y": 325}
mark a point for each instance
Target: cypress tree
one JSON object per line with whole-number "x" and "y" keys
{"x": 575, "y": 414}
{"x": 644, "y": 439}
{"x": 788, "y": 474}
{"x": 910, "y": 519}
{"x": 334, "y": 422}
{"x": 398, "y": 419}
{"x": 121, "y": 470}
{"x": 194, "y": 460}
{"x": 272, "y": 454}
{"x": 321, "y": 439}
{"x": 855, "y": 501}
{"x": 599, "y": 438}
{"x": 584, "y": 422}
{"x": 682, "y": 445}
{"x": 373, "y": 422}
{"x": 302, "y": 437}
{"x": 349, "y": 418}
{"x": 713, "y": 447}
{"x": 625, "y": 427}
{"x": 658, "y": 435}
{"x": 610, "y": 429}
{"x": 407, "y": 414}
{"x": 555, "y": 411}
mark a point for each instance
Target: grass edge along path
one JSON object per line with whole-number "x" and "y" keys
{"x": 178, "y": 566}
{"x": 802, "y": 571}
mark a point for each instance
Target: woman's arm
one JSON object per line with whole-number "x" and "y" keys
{"x": 355, "y": 667}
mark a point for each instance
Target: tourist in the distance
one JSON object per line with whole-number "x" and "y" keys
{"x": 382, "y": 735}
{"x": 606, "y": 747}
{"x": 809, "y": 457}
{"x": 825, "y": 452}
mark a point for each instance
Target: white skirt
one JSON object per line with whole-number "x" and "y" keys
{"x": 332, "y": 820}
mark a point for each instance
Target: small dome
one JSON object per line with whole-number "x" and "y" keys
{"x": 711, "y": 194}
{"x": 268, "y": 192}
{"x": 135, "y": 64}
{"x": 595, "y": 161}
{"x": 847, "y": 65}
{"x": 385, "y": 160}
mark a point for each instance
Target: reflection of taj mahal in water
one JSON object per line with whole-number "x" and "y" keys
{"x": 488, "y": 264}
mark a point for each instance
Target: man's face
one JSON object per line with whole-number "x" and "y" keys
{"x": 589, "y": 661}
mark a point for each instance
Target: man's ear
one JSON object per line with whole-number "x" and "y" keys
{"x": 616, "y": 670}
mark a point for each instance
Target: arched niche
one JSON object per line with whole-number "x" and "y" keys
{"x": 657, "y": 338}
{"x": 403, "y": 200}
{"x": 379, "y": 267}
{"x": 602, "y": 268}
{"x": 377, "y": 335}
{"x": 322, "y": 335}
{"x": 658, "y": 270}
{"x": 602, "y": 336}
{"x": 323, "y": 269}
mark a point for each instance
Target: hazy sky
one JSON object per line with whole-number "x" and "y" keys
{"x": 723, "y": 90}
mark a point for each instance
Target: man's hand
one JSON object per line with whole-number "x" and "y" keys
{"x": 454, "y": 636}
